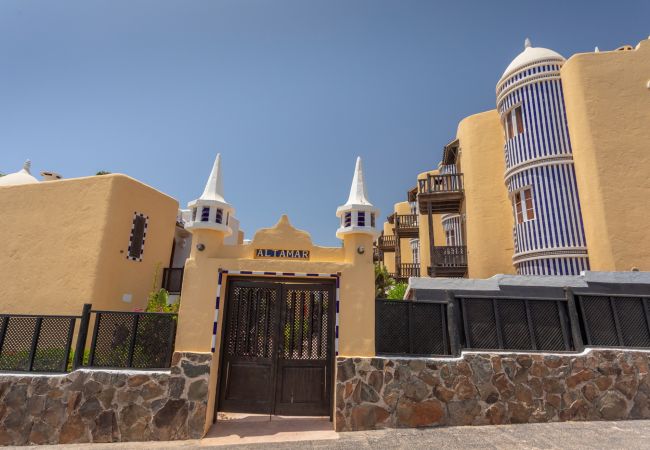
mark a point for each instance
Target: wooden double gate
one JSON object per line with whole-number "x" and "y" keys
{"x": 277, "y": 347}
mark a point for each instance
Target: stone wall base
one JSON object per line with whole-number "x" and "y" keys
{"x": 491, "y": 388}
{"x": 106, "y": 406}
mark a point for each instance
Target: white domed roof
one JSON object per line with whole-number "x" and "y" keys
{"x": 23, "y": 176}
{"x": 530, "y": 55}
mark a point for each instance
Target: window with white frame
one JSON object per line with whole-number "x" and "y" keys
{"x": 523, "y": 205}
{"x": 415, "y": 250}
{"x": 347, "y": 219}
{"x": 361, "y": 219}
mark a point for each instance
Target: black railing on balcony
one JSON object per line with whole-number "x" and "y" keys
{"x": 407, "y": 270}
{"x": 173, "y": 280}
{"x": 432, "y": 184}
{"x": 451, "y": 256}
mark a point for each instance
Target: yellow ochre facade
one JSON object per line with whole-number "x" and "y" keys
{"x": 65, "y": 243}
{"x": 552, "y": 182}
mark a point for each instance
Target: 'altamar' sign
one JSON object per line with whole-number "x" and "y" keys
{"x": 281, "y": 253}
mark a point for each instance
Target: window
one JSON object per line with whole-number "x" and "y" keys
{"x": 372, "y": 220}
{"x": 219, "y": 217}
{"x": 205, "y": 214}
{"x": 347, "y": 221}
{"x": 523, "y": 205}
{"x": 451, "y": 237}
{"x": 361, "y": 219}
{"x": 138, "y": 235}
{"x": 514, "y": 122}
{"x": 415, "y": 250}
{"x": 509, "y": 132}
{"x": 519, "y": 119}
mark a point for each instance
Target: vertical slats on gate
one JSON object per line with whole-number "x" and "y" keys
{"x": 563, "y": 324}
{"x": 68, "y": 345}
{"x": 574, "y": 321}
{"x": 3, "y": 331}
{"x": 468, "y": 340}
{"x": 266, "y": 351}
{"x": 585, "y": 320}
{"x": 443, "y": 319}
{"x": 619, "y": 334}
{"x": 292, "y": 315}
{"x": 643, "y": 299}
{"x": 32, "y": 350}
{"x": 452, "y": 326}
{"x": 134, "y": 321}
{"x": 531, "y": 330}
{"x": 302, "y": 300}
{"x": 497, "y": 321}
{"x": 409, "y": 312}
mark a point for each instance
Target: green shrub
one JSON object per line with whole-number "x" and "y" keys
{"x": 397, "y": 291}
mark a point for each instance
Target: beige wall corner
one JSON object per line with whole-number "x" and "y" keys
{"x": 607, "y": 98}
{"x": 488, "y": 221}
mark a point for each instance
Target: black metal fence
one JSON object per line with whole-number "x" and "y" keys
{"x": 33, "y": 343}
{"x": 132, "y": 340}
{"x": 521, "y": 323}
{"x": 410, "y": 328}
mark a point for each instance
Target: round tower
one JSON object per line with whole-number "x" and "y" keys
{"x": 210, "y": 212}
{"x": 540, "y": 177}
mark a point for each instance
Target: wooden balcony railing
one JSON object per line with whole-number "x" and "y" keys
{"x": 406, "y": 270}
{"x": 439, "y": 194}
{"x": 173, "y": 280}
{"x": 452, "y": 182}
{"x": 377, "y": 254}
{"x": 386, "y": 242}
{"x": 449, "y": 261}
{"x": 407, "y": 225}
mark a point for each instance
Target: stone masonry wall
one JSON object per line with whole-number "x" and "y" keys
{"x": 484, "y": 388}
{"x": 106, "y": 406}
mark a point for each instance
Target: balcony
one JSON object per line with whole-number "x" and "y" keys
{"x": 406, "y": 225}
{"x": 172, "y": 280}
{"x": 449, "y": 262}
{"x": 407, "y": 270}
{"x": 441, "y": 193}
{"x": 377, "y": 255}
{"x": 386, "y": 243}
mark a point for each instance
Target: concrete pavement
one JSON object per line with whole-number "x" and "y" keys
{"x": 573, "y": 435}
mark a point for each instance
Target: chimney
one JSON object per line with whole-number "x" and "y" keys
{"x": 50, "y": 176}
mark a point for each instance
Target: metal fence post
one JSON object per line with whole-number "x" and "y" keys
{"x": 35, "y": 336}
{"x": 452, "y": 325}
{"x": 574, "y": 321}
{"x": 81, "y": 337}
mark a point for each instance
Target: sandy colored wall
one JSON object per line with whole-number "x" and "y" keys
{"x": 357, "y": 306}
{"x": 489, "y": 221}
{"x": 438, "y": 232}
{"x": 50, "y": 244}
{"x": 389, "y": 257}
{"x": 119, "y": 275}
{"x": 54, "y": 235}
{"x": 404, "y": 208}
{"x": 608, "y": 113}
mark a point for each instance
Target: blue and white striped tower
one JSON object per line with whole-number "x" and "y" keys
{"x": 548, "y": 233}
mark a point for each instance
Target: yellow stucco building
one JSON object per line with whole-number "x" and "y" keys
{"x": 552, "y": 182}
{"x": 96, "y": 240}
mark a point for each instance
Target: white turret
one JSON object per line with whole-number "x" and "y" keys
{"x": 358, "y": 215}
{"x": 23, "y": 176}
{"x": 211, "y": 211}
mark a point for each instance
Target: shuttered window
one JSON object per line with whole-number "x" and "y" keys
{"x": 138, "y": 235}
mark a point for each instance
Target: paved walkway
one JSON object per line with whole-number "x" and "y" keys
{"x": 573, "y": 435}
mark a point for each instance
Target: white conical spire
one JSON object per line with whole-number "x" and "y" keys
{"x": 596, "y": 50}
{"x": 358, "y": 195}
{"x": 214, "y": 187}
{"x": 527, "y": 44}
{"x": 27, "y": 166}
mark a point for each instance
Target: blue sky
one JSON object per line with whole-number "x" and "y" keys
{"x": 289, "y": 91}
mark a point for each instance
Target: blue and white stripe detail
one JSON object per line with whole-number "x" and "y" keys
{"x": 540, "y": 158}
{"x": 222, "y": 272}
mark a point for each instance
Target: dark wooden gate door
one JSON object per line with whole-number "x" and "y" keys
{"x": 277, "y": 348}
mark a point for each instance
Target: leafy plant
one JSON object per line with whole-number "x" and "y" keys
{"x": 158, "y": 300}
{"x": 103, "y": 172}
{"x": 383, "y": 281}
{"x": 397, "y": 291}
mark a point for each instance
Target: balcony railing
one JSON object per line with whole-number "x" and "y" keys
{"x": 407, "y": 270}
{"x": 449, "y": 261}
{"x": 452, "y": 182}
{"x": 406, "y": 224}
{"x": 377, "y": 255}
{"x": 386, "y": 243}
{"x": 173, "y": 280}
